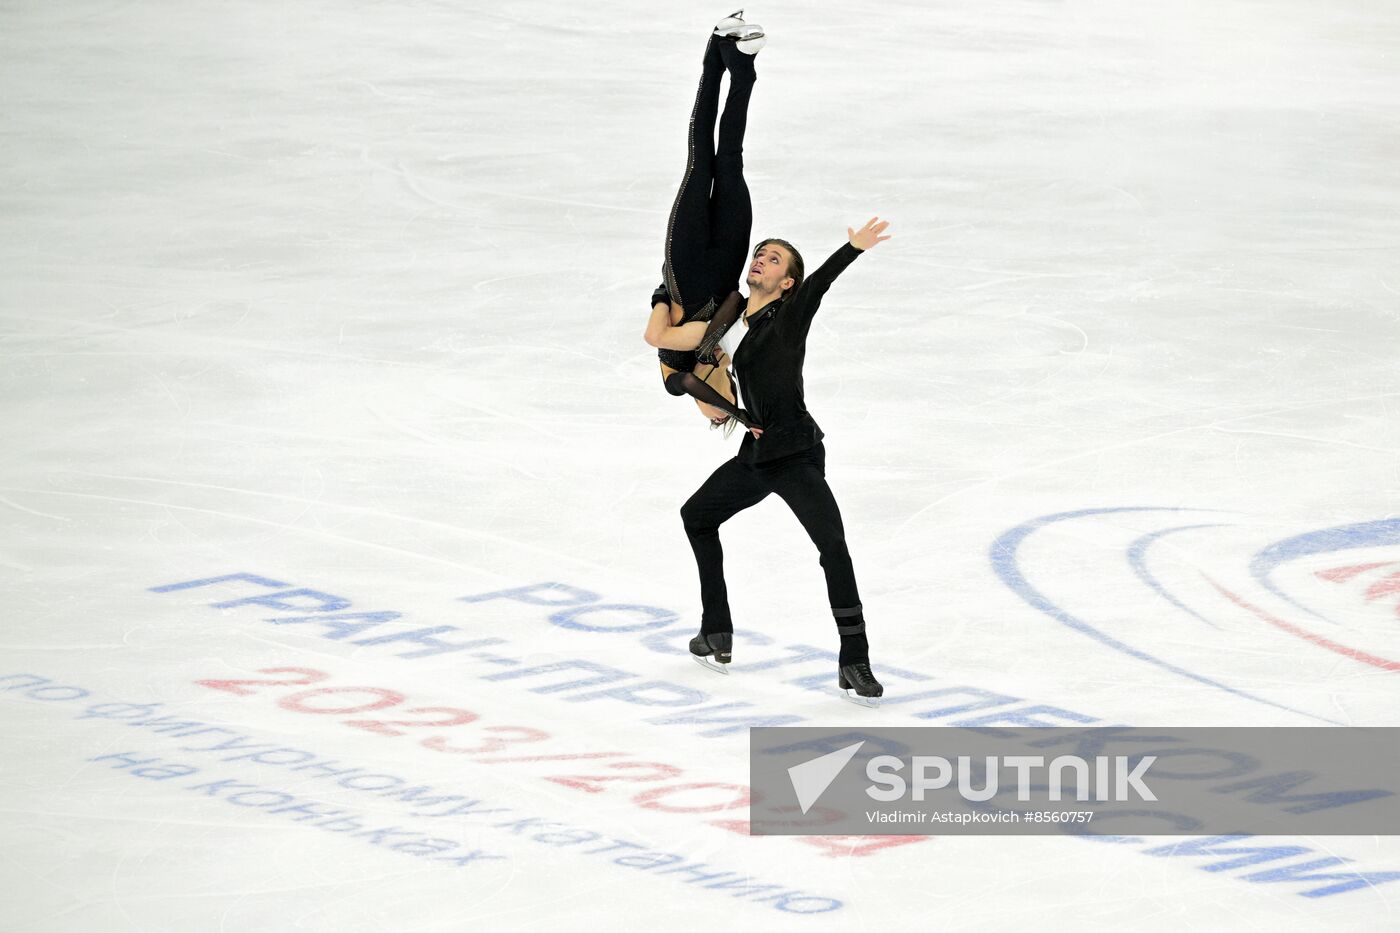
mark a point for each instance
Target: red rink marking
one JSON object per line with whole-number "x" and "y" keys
{"x": 1343, "y": 574}
{"x": 1354, "y": 653}
{"x": 1386, "y": 587}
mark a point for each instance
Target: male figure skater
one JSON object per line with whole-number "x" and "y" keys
{"x": 788, "y": 458}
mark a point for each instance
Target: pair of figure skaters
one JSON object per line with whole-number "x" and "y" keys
{"x": 707, "y": 246}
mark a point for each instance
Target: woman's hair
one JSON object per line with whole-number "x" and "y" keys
{"x": 795, "y": 268}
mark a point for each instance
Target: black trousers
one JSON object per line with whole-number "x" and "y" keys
{"x": 800, "y": 479}
{"x": 707, "y": 237}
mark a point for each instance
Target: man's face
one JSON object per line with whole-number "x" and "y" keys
{"x": 768, "y": 272}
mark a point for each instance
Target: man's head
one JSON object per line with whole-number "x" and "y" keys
{"x": 776, "y": 269}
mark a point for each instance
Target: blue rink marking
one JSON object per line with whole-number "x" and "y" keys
{"x": 1137, "y": 559}
{"x": 578, "y": 609}
{"x": 1005, "y": 563}
{"x": 1382, "y": 533}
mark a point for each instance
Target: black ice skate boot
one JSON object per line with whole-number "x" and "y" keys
{"x": 712, "y": 651}
{"x": 853, "y": 665}
{"x": 860, "y": 684}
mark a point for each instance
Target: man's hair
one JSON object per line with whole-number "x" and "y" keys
{"x": 795, "y": 268}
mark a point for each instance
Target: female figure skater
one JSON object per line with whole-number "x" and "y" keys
{"x": 708, "y": 234}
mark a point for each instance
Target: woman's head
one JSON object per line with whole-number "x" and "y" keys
{"x": 776, "y": 268}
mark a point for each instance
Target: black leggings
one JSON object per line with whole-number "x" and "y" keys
{"x": 800, "y": 479}
{"x": 707, "y": 237}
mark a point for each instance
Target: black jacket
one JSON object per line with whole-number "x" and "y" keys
{"x": 769, "y": 362}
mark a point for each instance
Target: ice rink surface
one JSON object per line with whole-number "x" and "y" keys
{"x": 339, "y": 306}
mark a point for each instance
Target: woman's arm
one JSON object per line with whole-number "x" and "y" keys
{"x": 662, "y": 333}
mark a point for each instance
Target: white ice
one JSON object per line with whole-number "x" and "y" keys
{"x": 350, "y": 296}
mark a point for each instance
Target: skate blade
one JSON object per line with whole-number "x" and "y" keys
{"x": 867, "y": 702}
{"x": 710, "y": 664}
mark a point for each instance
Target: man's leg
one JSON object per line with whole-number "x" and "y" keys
{"x": 802, "y": 484}
{"x": 729, "y": 490}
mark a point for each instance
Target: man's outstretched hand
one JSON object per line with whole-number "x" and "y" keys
{"x": 869, "y": 235}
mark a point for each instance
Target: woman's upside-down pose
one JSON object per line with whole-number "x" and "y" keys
{"x": 707, "y": 238}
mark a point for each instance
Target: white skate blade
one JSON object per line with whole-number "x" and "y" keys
{"x": 730, "y": 23}
{"x": 867, "y": 702}
{"x": 710, "y": 664}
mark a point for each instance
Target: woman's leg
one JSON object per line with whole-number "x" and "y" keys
{"x": 731, "y": 208}
{"x": 688, "y": 231}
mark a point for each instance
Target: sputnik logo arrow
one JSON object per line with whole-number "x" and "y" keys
{"x": 811, "y": 778}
